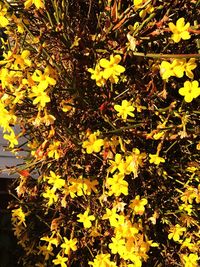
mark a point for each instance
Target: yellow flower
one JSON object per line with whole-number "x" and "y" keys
{"x": 67, "y": 105}
{"x": 118, "y": 163}
{"x": 6, "y": 118}
{"x": 5, "y": 77}
{"x": 133, "y": 162}
{"x": 188, "y": 244}
{"x": 139, "y": 2}
{"x": 188, "y": 195}
{"x": 138, "y": 204}
{"x": 125, "y": 109}
{"x": 19, "y": 23}
{"x": 50, "y": 240}
{"x": 97, "y": 74}
{"x": 111, "y": 68}
{"x": 177, "y": 68}
{"x": 55, "y": 180}
{"x": 46, "y": 252}
{"x": 180, "y": 30}
{"x": 44, "y": 79}
{"x": 18, "y": 216}
{"x": 3, "y": 12}
{"x": 189, "y": 66}
{"x": 11, "y": 138}
{"x": 37, "y": 3}
{"x": 117, "y": 245}
{"x": 154, "y": 158}
{"x": 69, "y": 244}
{"x": 166, "y": 70}
{"x": 112, "y": 216}
{"x": 93, "y": 144}
{"x": 40, "y": 96}
{"x": 60, "y": 260}
{"x": 137, "y": 262}
{"x": 50, "y": 194}
{"x": 107, "y": 69}
{"x": 22, "y": 61}
{"x": 102, "y": 260}
{"x": 190, "y": 260}
{"x": 190, "y": 90}
{"x": 81, "y": 186}
{"x": 117, "y": 185}
{"x": 186, "y": 207}
{"x": 53, "y": 150}
{"x": 176, "y": 232}
{"x": 86, "y": 219}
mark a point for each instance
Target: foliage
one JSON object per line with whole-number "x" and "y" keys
{"x": 106, "y": 94}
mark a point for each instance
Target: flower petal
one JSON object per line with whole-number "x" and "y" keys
{"x": 104, "y": 63}
{"x": 180, "y": 23}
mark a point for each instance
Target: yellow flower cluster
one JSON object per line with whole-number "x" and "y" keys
{"x": 64, "y": 244}
{"x": 56, "y": 183}
{"x": 189, "y": 197}
{"x": 15, "y": 73}
{"x": 120, "y": 167}
{"x": 99, "y": 191}
{"x": 128, "y": 242}
{"x": 107, "y": 70}
{"x": 81, "y": 186}
{"x": 129, "y": 164}
{"x": 41, "y": 81}
{"x": 18, "y": 218}
{"x": 177, "y": 68}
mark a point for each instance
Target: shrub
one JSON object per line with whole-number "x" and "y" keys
{"x": 106, "y": 94}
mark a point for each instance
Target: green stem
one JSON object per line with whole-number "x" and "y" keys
{"x": 198, "y": 40}
{"x": 144, "y": 23}
{"x": 152, "y": 55}
{"x": 108, "y": 121}
{"x": 166, "y": 151}
{"x": 49, "y": 18}
{"x": 124, "y": 128}
{"x": 44, "y": 51}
